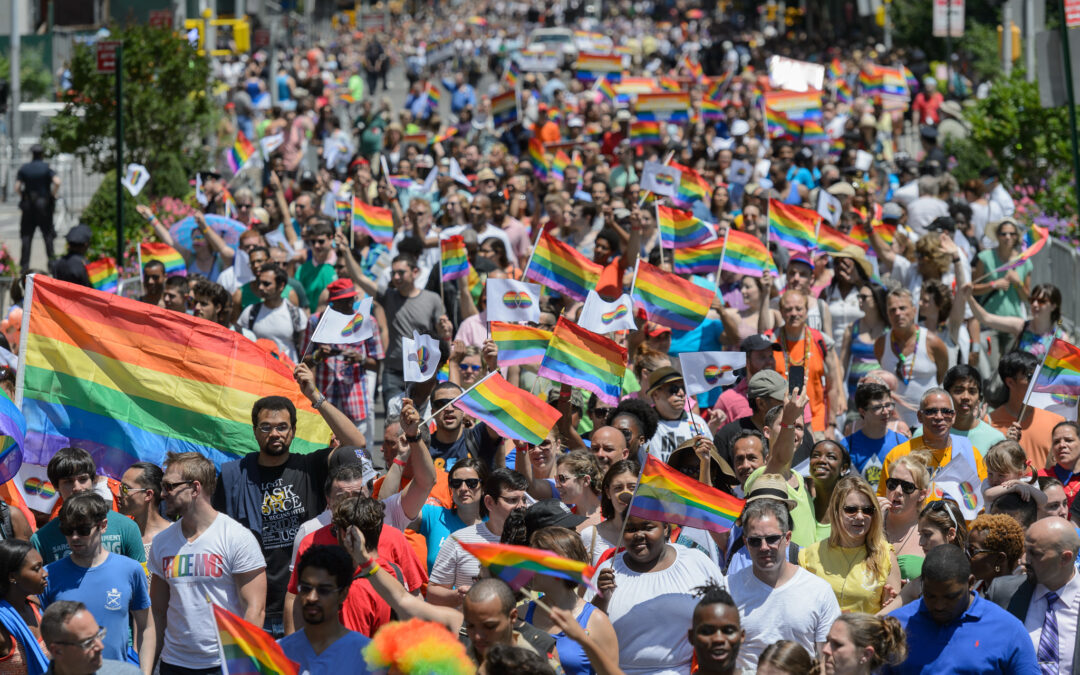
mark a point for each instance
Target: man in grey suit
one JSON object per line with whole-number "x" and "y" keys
{"x": 1047, "y": 601}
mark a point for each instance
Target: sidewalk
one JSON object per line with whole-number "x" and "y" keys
{"x": 9, "y": 234}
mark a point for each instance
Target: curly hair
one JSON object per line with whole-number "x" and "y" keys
{"x": 417, "y": 647}
{"x": 1003, "y": 535}
{"x": 644, "y": 413}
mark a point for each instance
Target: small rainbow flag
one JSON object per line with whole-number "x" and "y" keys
{"x": 433, "y": 96}
{"x": 663, "y": 105}
{"x": 692, "y": 187}
{"x": 512, "y": 75}
{"x": 1029, "y": 252}
{"x": 445, "y": 136}
{"x": 538, "y": 158}
{"x": 562, "y": 268}
{"x": 583, "y": 359}
{"x": 598, "y": 63}
{"x": 240, "y": 152}
{"x": 103, "y": 274}
{"x": 559, "y": 164}
{"x": 836, "y": 69}
{"x": 644, "y": 133}
{"x": 1060, "y": 371}
{"x": 671, "y": 300}
{"x": 792, "y": 226}
{"x": 695, "y": 69}
{"x": 516, "y": 565}
{"x": 519, "y": 345}
{"x": 636, "y": 85}
{"x": 887, "y": 232}
{"x": 504, "y": 108}
{"x": 667, "y": 495}
{"x": 712, "y": 110}
{"x": 165, "y": 254}
{"x": 607, "y": 89}
{"x": 833, "y": 240}
{"x": 798, "y": 106}
{"x": 343, "y": 209}
{"x": 780, "y": 126}
{"x": 455, "y": 259}
{"x": 670, "y": 84}
{"x": 813, "y": 133}
{"x": 249, "y": 650}
{"x": 475, "y": 283}
{"x": 375, "y": 221}
{"x": 715, "y": 90}
{"x": 843, "y": 91}
{"x": 679, "y": 229}
{"x": 701, "y": 259}
{"x": 416, "y": 139}
{"x": 746, "y": 254}
{"x": 12, "y": 437}
{"x": 512, "y": 412}
{"x": 402, "y": 182}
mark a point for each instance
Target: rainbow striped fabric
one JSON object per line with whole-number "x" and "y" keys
{"x": 375, "y": 221}
{"x": 512, "y": 76}
{"x": 598, "y": 63}
{"x": 607, "y": 89}
{"x": 420, "y": 139}
{"x": 1029, "y": 252}
{"x": 12, "y": 437}
{"x": 248, "y": 649}
{"x": 583, "y": 359}
{"x": 813, "y": 133}
{"x": 475, "y": 283}
{"x": 504, "y": 108}
{"x": 510, "y": 411}
{"x": 645, "y": 133}
{"x": 446, "y": 135}
{"x": 670, "y": 84}
{"x": 711, "y": 110}
{"x": 668, "y": 496}
{"x": 798, "y": 106}
{"x": 562, "y": 268}
{"x": 692, "y": 187}
{"x": 746, "y": 254}
{"x": 715, "y": 90}
{"x": 636, "y": 85}
{"x": 887, "y": 232}
{"x": 103, "y": 274}
{"x": 401, "y": 182}
{"x": 1060, "y": 371}
{"x": 538, "y": 158}
{"x": 833, "y": 240}
{"x": 519, "y": 345}
{"x": 343, "y": 209}
{"x": 792, "y": 226}
{"x": 164, "y": 254}
{"x": 559, "y": 164}
{"x": 701, "y": 259}
{"x": 516, "y": 565}
{"x": 671, "y": 300}
{"x": 780, "y": 125}
{"x": 130, "y": 381}
{"x": 455, "y": 259}
{"x": 679, "y": 228}
{"x": 433, "y": 95}
{"x": 240, "y": 152}
{"x": 665, "y": 105}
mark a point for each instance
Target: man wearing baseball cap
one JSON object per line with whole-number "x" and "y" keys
{"x": 733, "y": 403}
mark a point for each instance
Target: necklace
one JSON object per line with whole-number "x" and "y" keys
{"x": 904, "y": 369}
{"x": 787, "y": 349}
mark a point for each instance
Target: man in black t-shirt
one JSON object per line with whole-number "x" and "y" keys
{"x": 273, "y": 492}
{"x": 37, "y": 185}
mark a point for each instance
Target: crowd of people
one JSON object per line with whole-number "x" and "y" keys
{"x": 905, "y": 509}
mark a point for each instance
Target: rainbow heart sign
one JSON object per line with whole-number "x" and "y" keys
{"x": 703, "y": 371}
{"x": 420, "y": 357}
{"x": 39, "y": 486}
{"x": 713, "y": 373}
{"x": 512, "y": 301}
{"x": 614, "y": 315}
{"x": 665, "y": 180}
{"x": 338, "y": 328}
{"x": 423, "y": 355}
{"x": 959, "y": 479}
{"x": 353, "y": 326}
{"x": 517, "y": 300}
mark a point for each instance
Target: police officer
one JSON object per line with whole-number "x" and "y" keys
{"x": 36, "y": 185}
{"x": 72, "y": 265}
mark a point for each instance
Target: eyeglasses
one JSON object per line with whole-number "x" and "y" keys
{"x": 674, "y": 389}
{"x": 243, "y": 206}
{"x": 938, "y": 412}
{"x": 866, "y": 510}
{"x": 282, "y": 428}
{"x": 469, "y": 367}
{"x": 601, "y": 412}
{"x": 1007, "y": 234}
{"x": 770, "y": 539}
{"x": 563, "y": 478}
{"x": 84, "y": 644}
{"x": 471, "y": 483}
{"x": 323, "y": 591}
{"x": 82, "y": 530}
{"x": 882, "y": 407}
{"x": 907, "y": 486}
{"x": 125, "y": 490}
{"x": 972, "y": 552}
{"x": 170, "y": 487}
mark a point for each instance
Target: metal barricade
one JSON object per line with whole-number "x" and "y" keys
{"x": 1059, "y": 264}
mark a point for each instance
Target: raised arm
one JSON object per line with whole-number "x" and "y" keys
{"x": 343, "y": 428}
{"x": 423, "y": 468}
{"x": 1005, "y": 324}
{"x": 215, "y": 240}
{"x": 352, "y": 267}
{"x": 781, "y": 451}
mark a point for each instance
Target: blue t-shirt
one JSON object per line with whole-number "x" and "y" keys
{"x": 110, "y": 591}
{"x": 868, "y": 454}
{"x": 341, "y": 657}
{"x": 437, "y": 523}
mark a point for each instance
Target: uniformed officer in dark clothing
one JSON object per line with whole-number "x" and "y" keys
{"x": 72, "y": 265}
{"x": 37, "y": 185}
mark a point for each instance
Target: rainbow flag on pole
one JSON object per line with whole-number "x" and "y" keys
{"x": 1060, "y": 371}
{"x": 516, "y": 565}
{"x": 780, "y": 125}
{"x": 833, "y": 240}
{"x": 692, "y": 186}
{"x": 165, "y": 254}
{"x": 240, "y": 152}
{"x": 607, "y": 89}
{"x": 645, "y": 133}
{"x": 792, "y": 226}
{"x": 538, "y": 158}
{"x": 666, "y": 495}
{"x": 455, "y": 259}
{"x": 249, "y": 650}
{"x": 559, "y": 164}
{"x": 583, "y": 359}
{"x": 746, "y": 254}
{"x": 1029, "y": 252}
{"x": 103, "y": 275}
{"x": 433, "y": 95}
{"x": 664, "y": 105}
{"x": 669, "y": 299}
{"x": 512, "y": 412}
{"x": 12, "y": 437}
{"x": 343, "y": 209}
{"x": 519, "y": 344}
{"x": 375, "y": 221}
{"x": 679, "y": 229}
{"x": 700, "y": 259}
{"x": 562, "y": 268}
{"x": 504, "y": 108}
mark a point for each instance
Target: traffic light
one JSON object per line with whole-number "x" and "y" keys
{"x": 1015, "y": 41}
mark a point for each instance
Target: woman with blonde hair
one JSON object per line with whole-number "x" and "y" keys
{"x": 856, "y": 559}
{"x": 905, "y": 490}
{"x": 577, "y": 479}
{"x": 860, "y": 644}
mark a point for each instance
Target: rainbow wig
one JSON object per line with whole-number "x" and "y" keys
{"x": 417, "y": 647}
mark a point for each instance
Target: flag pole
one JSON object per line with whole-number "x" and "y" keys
{"x": 641, "y": 200}
{"x": 633, "y": 282}
{"x": 536, "y": 242}
{"x": 307, "y": 347}
{"x": 454, "y": 400}
{"x": 626, "y": 513}
{"x": 656, "y": 216}
{"x": 720, "y": 267}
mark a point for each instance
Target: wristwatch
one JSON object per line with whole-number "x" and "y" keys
{"x": 413, "y": 439}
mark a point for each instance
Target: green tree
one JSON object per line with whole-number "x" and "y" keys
{"x": 35, "y": 80}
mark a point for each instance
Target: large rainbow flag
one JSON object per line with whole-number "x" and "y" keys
{"x": 700, "y": 259}
{"x": 669, "y": 299}
{"x": 663, "y": 105}
{"x": 798, "y": 106}
{"x": 519, "y": 344}
{"x": 644, "y": 133}
{"x": 562, "y": 268}
{"x": 129, "y": 381}
{"x": 833, "y": 240}
{"x": 512, "y": 412}
{"x": 667, "y": 495}
{"x": 679, "y": 229}
{"x": 455, "y": 259}
{"x": 1060, "y": 372}
{"x": 746, "y": 254}
{"x": 792, "y": 226}
{"x": 164, "y": 254}
{"x": 598, "y": 63}
{"x": 375, "y": 221}
{"x": 583, "y": 359}
{"x": 103, "y": 274}
{"x": 248, "y": 649}
{"x": 516, "y": 565}
{"x": 12, "y": 437}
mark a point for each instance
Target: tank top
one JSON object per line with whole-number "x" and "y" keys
{"x": 922, "y": 376}
{"x": 1033, "y": 343}
{"x": 573, "y": 658}
{"x": 862, "y": 360}
{"x": 793, "y": 195}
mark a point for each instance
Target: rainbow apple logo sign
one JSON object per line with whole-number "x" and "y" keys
{"x": 713, "y": 373}
{"x": 423, "y": 354}
{"x": 353, "y": 326}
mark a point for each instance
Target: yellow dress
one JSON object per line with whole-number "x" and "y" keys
{"x": 856, "y": 589}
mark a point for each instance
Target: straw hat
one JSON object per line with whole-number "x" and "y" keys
{"x": 857, "y": 254}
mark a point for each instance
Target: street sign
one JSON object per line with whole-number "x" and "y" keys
{"x": 260, "y": 37}
{"x": 106, "y": 55}
{"x": 161, "y": 18}
{"x": 1072, "y": 13}
{"x": 948, "y": 18}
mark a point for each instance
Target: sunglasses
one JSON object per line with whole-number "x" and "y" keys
{"x": 907, "y": 486}
{"x": 471, "y": 483}
{"x": 323, "y": 591}
{"x": 601, "y": 412}
{"x": 944, "y": 506}
{"x": 771, "y": 540}
{"x": 470, "y": 368}
{"x": 169, "y": 487}
{"x": 866, "y": 510}
{"x": 938, "y": 412}
{"x": 82, "y": 530}
{"x": 441, "y": 403}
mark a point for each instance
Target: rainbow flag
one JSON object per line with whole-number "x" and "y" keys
{"x": 780, "y": 126}
{"x": 401, "y": 181}
{"x": 792, "y": 226}
{"x": 103, "y": 275}
{"x": 636, "y": 85}
{"x": 670, "y": 84}
{"x": 607, "y": 89}
{"x": 692, "y": 187}
{"x": 240, "y": 152}
{"x": 130, "y": 381}
{"x": 665, "y": 105}
{"x": 512, "y": 412}
{"x": 518, "y": 344}
{"x": 445, "y": 135}
{"x": 712, "y": 110}
{"x": 516, "y": 565}
{"x": 512, "y": 76}
{"x": 843, "y": 91}
{"x": 562, "y": 268}
{"x": 538, "y": 158}
{"x": 165, "y": 254}
{"x": 696, "y": 70}
{"x": 1060, "y": 371}
{"x": 455, "y": 259}
{"x": 559, "y": 164}
{"x": 12, "y": 437}
{"x": 813, "y": 133}
{"x": 836, "y": 69}
{"x": 887, "y": 232}
{"x": 746, "y": 254}
{"x": 249, "y": 650}
{"x": 666, "y": 495}
{"x": 583, "y": 359}
{"x": 598, "y": 63}
{"x": 798, "y": 106}
{"x": 474, "y": 282}
{"x": 433, "y": 96}
{"x": 715, "y": 90}
{"x": 833, "y": 240}
{"x": 375, "y": 221}
{"x": 343, "y": 209}
{"x": 504, "y": 108}
{"x": 671, "y": 300}
{"x": 416, "y": 139}
{"x": 679, "y": 229}
{"x": 1030, "y": 251}
{"x": 644, "y": 133}
{"x": 701, "y": 259}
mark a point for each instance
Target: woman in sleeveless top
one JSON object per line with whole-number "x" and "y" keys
{"x": 209, "y": 254}
{"x": 561, "y": 593}
{"x": 621, "y": 479}
{"x": 857, "y": 347}
{"x": 1033, "y": 335}
{"x": 905, "y": 490}
{"x": 939, "y": 314}
{"x": 741, "y": 324}
{"x": 22, "y": 577}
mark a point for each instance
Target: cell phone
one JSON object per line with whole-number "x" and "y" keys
{"x": 796, "y": 375}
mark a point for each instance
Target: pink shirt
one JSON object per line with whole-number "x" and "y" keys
{"x": 473, "y": 330}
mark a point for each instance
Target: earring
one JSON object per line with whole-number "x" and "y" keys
{"x": 997, "y": 569}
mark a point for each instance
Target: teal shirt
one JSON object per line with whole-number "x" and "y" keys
{"x": 314, "y": 278}
{"x": 121, "y": 536}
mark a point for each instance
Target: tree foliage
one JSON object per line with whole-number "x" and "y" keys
{"x": 35, "y": 80}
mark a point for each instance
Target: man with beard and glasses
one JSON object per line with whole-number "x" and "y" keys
{"x": 324, "y": 645}
{"x": 716, "y": 634}
{"x": 272, "y": 492}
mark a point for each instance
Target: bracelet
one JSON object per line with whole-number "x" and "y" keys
{"x": 397, "y": 460}
{"x": 367, "y": 573}
{"x": 786, "y": 426}
{"x": 412, "y": 439}
{"x": 369, "y": 563}
{"x": 319, "y": 401}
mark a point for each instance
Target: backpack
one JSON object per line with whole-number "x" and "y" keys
{"x": 294, "y": 318}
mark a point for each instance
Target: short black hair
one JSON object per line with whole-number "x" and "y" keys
{"x": 273, "y": 403}
{"x": 177, "y": 281}
{"x": 748, "y": 433}
{"x": 154, "y": 263}
{"x": 1013, "y": 505}
{"x": 503, "y": 480}
{"x": 335, "y": 560}
{"x": 212, "y": 291}
{"x": 84, "y": 508}
{"x": 405, "y": 258}
{"x": 644, "y": 413}
{"x": 259, "y": 249}
{"x": 320, "y": 226}
{"x": 611, "y": 237}
{"x": 868, "y": 392}
{"x": 345, "y": 473}
{"x": 150, "y": 476}
{"x": 492, "y": 586}
{"x": 1017, "y": 363}
{"x": 946, "y": 562}
{"x": 502, "y": 658}
{"x": 713, "y": 594}
{"x": 365, "y": 513}
{"x": 281, "y": 277}
{"x": 962, "y": 371}
{"x": 68, "y": 463}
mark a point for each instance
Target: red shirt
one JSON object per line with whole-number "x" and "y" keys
{"x": 1071, "y": 481}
